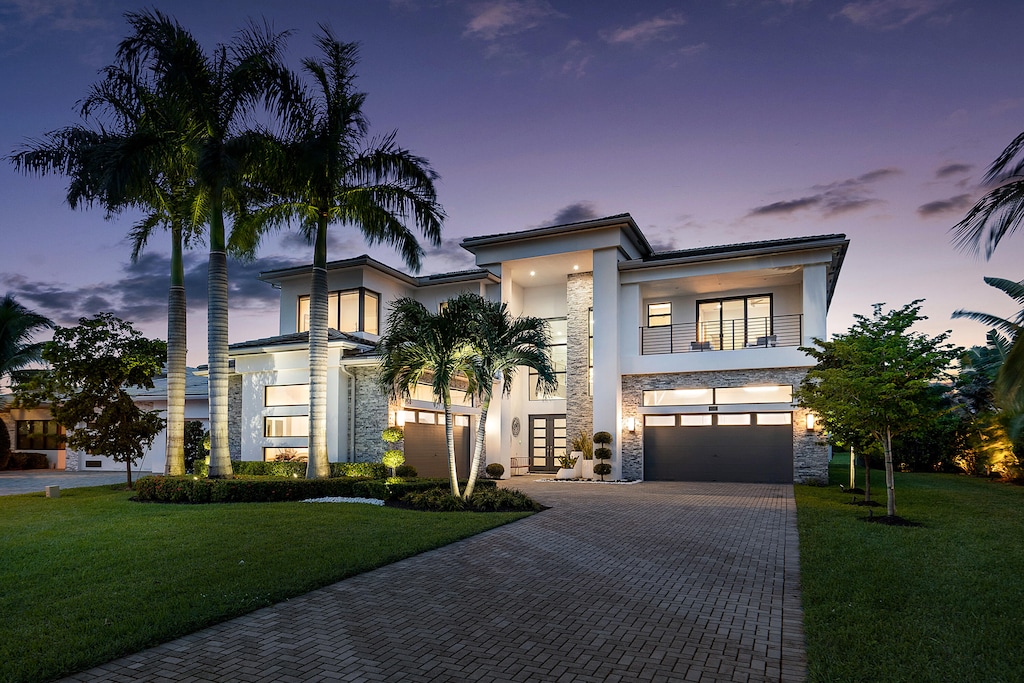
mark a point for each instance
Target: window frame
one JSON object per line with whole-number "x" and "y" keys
{"x": 702, "y": 334}
{"x": 31, "y": 441}
{"x": 268, "y": 387}
{"x": 336, "y": 295}
{"x": 651, "y": 316}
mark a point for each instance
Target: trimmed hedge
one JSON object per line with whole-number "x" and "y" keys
{"x": 259, "y": 468}
{"x": 27, "y": 461}
{"x": 265, "y": 489}
{"x": 487, "y": 499}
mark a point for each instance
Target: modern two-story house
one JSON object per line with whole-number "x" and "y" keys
{"x": 689, "y": 358}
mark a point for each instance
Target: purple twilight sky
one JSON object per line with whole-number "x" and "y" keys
{"x": 709, "y": 121}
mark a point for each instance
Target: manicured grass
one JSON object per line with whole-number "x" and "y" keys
{"x": 91, "y": 576}
{"x": 941, "y": 602}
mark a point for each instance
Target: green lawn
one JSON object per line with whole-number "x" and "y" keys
{"x": 91, "y": 576}
{"x": 941, "y": 602}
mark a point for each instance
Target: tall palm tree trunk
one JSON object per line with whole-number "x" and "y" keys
{"x": 217, "y": 348}
{"x": 317, "y": 466}
{"x": 449, "y": 435}
{"x": 478, "y": 449}
{"x": 176, "y": 351}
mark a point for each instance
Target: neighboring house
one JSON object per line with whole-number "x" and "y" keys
{"x": 34, "y": 430}
{"x": 689, "y": 358}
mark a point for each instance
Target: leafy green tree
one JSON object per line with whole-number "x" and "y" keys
{"x": 502, "y": 344}
{"x": 92, "y": 366}
{"x": 219, "y": 93}
{"x": 420, "y": 347}
{"x": 1009, "y": 379}
{"x": 875, "y": 378}
{"x": 196, "y": 449}
{"x": 331, "y": 174}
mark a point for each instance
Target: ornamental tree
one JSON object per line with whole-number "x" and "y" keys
{"x": 91, "y": 368}
{"x": 874, "y": 379}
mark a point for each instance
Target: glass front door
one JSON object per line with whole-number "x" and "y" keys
{"x": 547, "y": 442}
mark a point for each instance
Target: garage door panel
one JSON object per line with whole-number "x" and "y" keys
{"x": 426, "y": 449}
{"x": 747, "y": 453}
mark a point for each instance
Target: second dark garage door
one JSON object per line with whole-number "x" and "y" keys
{"x": 427, "y": 450}
{"x": 717, "y": 452}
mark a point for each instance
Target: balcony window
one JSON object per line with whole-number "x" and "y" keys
{"x": 734, "y": 323}
{"x": 355, "y": 310}
{"x": 659, "y": 314}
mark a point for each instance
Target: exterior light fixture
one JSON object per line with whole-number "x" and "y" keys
{"x": 631, "y": 424}
{"x": 400, "y": 418}
{"x": 810, "y": 422}
{"x": 532, "y": 273}
{"x": 575, "y": 267}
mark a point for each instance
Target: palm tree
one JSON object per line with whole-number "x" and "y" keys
{"x": 217, "y": 92}
{"x": 335, "y": 175}
{"x": 1005, "y": 335}
{"x": 18, "y": 325}
{"x": 999, "y": 212}
{"x": 420, "y": 347}
{"x": 503, "y": 344}
{"x": 129, "y": 156}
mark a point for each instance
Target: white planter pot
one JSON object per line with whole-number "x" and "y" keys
{"x": 578, "y": 467}
{"x": 588, "y": 469}
{"x": 565, "y": 474}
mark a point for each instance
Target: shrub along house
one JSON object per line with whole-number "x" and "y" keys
{"x": 689, "y": 358}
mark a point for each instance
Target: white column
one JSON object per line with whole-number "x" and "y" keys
{"x": 607, "y": 383}
{"x": 501, "y": 442}
{"x": 815, "y": 295}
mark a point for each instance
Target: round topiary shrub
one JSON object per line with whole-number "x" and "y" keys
{"x": 406, "y": 472}
{"x": 495, "y": 470}
{"x": 602, "y": 453}
{"x": 393, "y": 458}
{"x": 392, "y": 434}
{"x": 602, "y": 437}
{"x": 601, "y": 469}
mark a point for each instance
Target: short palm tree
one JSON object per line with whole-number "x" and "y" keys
{"x": 502, "y": 344}
{"x": 218, "y": 93}
{"x": 420, "y": 347}
{"x": 1006, "y": 336}
{"x": 18, "y": 325}
{"x": 329, "y": 173}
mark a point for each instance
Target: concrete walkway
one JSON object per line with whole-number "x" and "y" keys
{"x": 36, "y": 481}
{"x": 656, "y": 581}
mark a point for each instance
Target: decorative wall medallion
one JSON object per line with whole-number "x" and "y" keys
{"x": 515, "y": 426}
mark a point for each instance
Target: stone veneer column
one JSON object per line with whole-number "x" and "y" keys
{"x": 371, "y": 415}
{"x": 810, "y": 452}
{"x": 235, "y": 417}
{"x": 579, "y": 404}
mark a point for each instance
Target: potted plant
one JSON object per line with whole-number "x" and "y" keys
{"x": 583, "y": 448}
{"x": 602, "y": 453}
{"x": 568, "y": 464}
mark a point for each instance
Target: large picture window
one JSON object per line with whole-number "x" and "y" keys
{"x": 39, "y": 435}
{"x": 354, "y": 310}
{"x": 733, "y": 323}
{"x": 557, "y": 328}
{"x": 286, "y": 395}
{"x": 286, "y": 425}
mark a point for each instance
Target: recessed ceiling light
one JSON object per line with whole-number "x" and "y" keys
{"x": 575, "y": 267}
{"x": 532, "y": 273}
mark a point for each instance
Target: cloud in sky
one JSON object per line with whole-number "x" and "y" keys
{"x": 499, "y": 18}
{"x": 950, "y": 170}
{"x": 956, "y": 205}
{"x": 575, "y": 213}
{"x": 831, "y": 199}
{"x": 661, "y": 27}
{"x": 891, "y": 14}
{"x": 62, "y": 15}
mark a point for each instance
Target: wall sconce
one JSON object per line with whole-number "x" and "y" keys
{"x": 400, "y": 418}
{"x": 630, "y": 424}
{"x": 810, "y": 422}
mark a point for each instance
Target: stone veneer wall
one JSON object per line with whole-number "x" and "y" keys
{"x": 235, "y": 417}
{"x": 810, "y": 453}
{"x": 371, "y": 415}
{"x": 579, "y": 404}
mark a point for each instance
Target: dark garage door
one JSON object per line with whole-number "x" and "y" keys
{"x": 745, "y": 453}
{"x": 427, "y": 451}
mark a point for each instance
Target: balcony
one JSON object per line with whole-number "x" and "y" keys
{"x": 729, "y": 335}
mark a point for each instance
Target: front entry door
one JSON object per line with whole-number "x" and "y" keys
{"x": 547, "y": 442}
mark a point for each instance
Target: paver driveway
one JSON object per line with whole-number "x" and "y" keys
{"x": 656, "y": 581}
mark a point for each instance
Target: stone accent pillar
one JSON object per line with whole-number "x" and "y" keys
{"x": 579, "y": 404}
{"x": 235, "y": 417}
{"x": 371, "y": 415}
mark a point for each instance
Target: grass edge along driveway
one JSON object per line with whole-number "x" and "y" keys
{"x": 941, "y": 602}
{"x": 92, "y": 576}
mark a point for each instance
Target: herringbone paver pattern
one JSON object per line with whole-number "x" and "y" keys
{"x": 656, "y": 581}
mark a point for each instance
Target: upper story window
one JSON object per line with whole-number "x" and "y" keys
{"x": 557, "y": 328}
{"x": 354, "y": 310}
{"x": 734, "y": 322}
{"x": 659, "y": 314}
{"x": 286, "y": 395}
